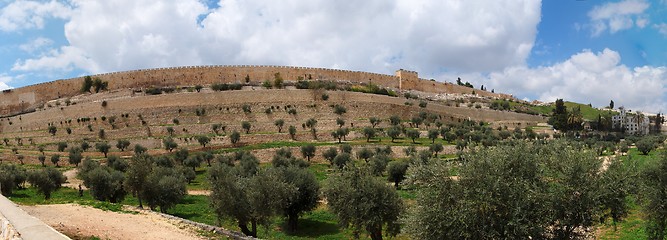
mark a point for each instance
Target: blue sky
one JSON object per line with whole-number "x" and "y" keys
{"x": 585, "y": 51}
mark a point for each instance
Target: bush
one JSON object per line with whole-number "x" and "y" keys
{"x": 75, "y": 156}
{"x": 396, "y": 172}
{"x": 235, "y": 137}
{"x": 645, "y": 145}
{"x": 46, "y": 180}
{"x": 62, "y": 146}
{"x": 246, "y": 126}
{"x": 164, "y": 188}
{"x": 292, "y": 131}
{"x": 340, "y": 110}
{"x": 11, "y": 177}
{"x": 153, "y": 91}
{"x": 105, "y": 184}
{"x": 362, "y": 202}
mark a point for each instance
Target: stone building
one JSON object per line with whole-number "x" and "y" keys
{"x": 631, "y": 123}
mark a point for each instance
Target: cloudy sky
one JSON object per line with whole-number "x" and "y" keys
{"x": 580, "y": 50}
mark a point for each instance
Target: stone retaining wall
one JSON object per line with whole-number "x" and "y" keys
{"x": 17, "y": 224}
{"x": 7, "y": 231}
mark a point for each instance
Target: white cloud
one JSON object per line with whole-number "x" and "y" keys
{"x": 20, "y": 15}
{"x": 617, "y": 16}
{"x": 588, "y": 77}
{"x": 641, "y": 22}
{"x": 662, "y": 28}
{"x": 374, "y": 35}
{"x": 35, "y": 44}
{"x": 4, "y": 79}
{"x": 64, "y": 59}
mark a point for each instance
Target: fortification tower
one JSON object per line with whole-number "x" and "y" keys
{"x": 406, "y": 78}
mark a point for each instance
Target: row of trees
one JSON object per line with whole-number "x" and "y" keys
{"x": 45, "y": 180}
{"x": 517, "y": 191}
{"x": 252, "y": 196}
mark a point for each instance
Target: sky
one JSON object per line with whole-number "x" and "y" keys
{"x": 585, "y": 51}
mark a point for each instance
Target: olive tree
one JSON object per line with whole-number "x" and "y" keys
{"x": 164, "y": 188}
{"x": 235, "y": 137}
{"x": 279, "y": 123}
{"x": 249, "y": 199}
{"x": 246, "y": 126}
{"x": 362, "y": 202}
{"x": 105, "y": 184}
{"x": 518, "y": 191}
{"x": 203, "y": 140}
{"x": 393, "y": 132}
{"x": 140, "y": 166}
{"x": 122, "y": 144}
{"x": 369, "y": 133}
{"x": 103, "y": 147}
{"x": 11, "y": 177}
{"x": 46, "y": 180}
{"x": 308, "y": 151}
{"x": 396, "y": 172}
{"x": 292, "y": 132}
{"x": 169, "y": 144}
{"x": 303, "y": 196}
{"x": 75, "y": 156}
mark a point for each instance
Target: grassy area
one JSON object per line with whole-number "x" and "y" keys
{"x": 642, "y": 161}
{"x": 30, "y": 196}
{"x": 267, "y": 145}
{"x": 632, "y": 227}
{"x": 587, "y": 112}
{"x": 319, "y": 223}
{"x": 201, "y": 181}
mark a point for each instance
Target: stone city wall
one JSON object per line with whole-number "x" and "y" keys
{"x": 23, "y": 99}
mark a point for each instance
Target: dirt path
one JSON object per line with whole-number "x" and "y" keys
{"x": 199, "y": 192}
{"x": 81, "y": 221}
{"x": 72, "y": 180}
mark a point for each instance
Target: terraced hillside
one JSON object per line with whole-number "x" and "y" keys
{"x": 145, "y": 119}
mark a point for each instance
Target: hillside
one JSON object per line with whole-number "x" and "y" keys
{"x": 144, "y": 119}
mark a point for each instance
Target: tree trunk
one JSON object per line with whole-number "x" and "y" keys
{"x": 292, "y": 221}
{"x": 376, "y": 233}
{"x": 139, "y": 199}
{"x": 254, "y": 228}
{"x": 244, "y": 229}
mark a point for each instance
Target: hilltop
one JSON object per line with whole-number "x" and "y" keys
{"x": 145, "y": 112}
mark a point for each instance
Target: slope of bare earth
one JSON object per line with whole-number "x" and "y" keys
{"x": 79, "y": 221}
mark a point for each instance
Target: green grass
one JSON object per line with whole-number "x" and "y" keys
{"x": 319, "y": 223}
{"x": 320, "y": 170}
{"x": 589, "y": 113}
{"x": 277, "y": 144}
{"x": 201, "y": 181}
{"x": 30, "y": 196}
{"x": 640, "y": 159}
{"x": 632, "y": 227}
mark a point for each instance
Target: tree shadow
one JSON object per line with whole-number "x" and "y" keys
{"x": 309, "y": 228}
{"x": 19, "y": 195}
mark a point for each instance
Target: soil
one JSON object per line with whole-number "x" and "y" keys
{"x": 82, "y": 222}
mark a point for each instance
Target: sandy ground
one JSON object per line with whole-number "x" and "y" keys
{"x": 72, "y": 180}
{"x": 79, "y": 221}
{"x": 199, "y": 192}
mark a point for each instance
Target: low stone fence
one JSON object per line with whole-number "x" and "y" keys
{"x": 17, "y": 224}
